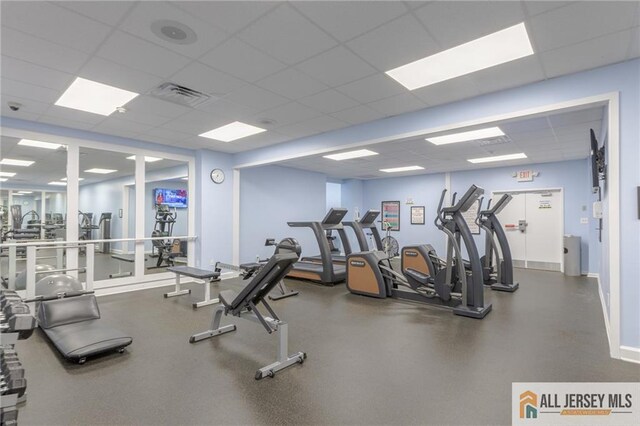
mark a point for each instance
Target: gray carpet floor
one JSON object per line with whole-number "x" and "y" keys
{"x": 370, "y": 361}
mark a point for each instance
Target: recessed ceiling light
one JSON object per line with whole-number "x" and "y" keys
{"x": 13, "y": 162}
{"x": 91, "y": 96}
{"x": 350, "y": 154}
{"x": 100, "y": 171}
{"x": 3, "y": 179}
{"x": 232, "y": 131}
{"x": 25, "y": 192}
{"x": 39, "y": 144}
{"x": 472, "y": 135}
{"x": 57, "y": 183}
{"x": 7, "y": 174}
{"x": 147, "y": 159}
{"x": 494, "y": 49}
{"x": 402, "y": 169}
{"x": 497, "y": 158}
{"x": 65, "y": 179}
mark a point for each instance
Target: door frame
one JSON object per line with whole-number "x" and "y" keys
{"x": 536, "y": 190}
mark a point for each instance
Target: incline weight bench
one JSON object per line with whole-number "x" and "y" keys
{"x": 199, "y": 274}
{"x": 244, "y": 305}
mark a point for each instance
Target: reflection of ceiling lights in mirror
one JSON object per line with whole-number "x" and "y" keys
{"x": 39, "y": 144}
{"x": 350, "y": 154}
{"x": 3, "y": 179}
{"x": 402, "y": 169}
{"x": 100, "y": 171}
{"x": 91, "y": 96}
{"x": 232, "y": 131}
{"x": 472, "y": 135}
{"x": 494, "y": 49}
{"x": 184, "y": 178}
{"x": 14, "y": 162}
{"x": 55, "y": 182}
{"x": 147, "y": 159}
{"x": 25, "y": 192}
{"x": 64, "y": 179}
{"x": 506, "y": 157}
{"x": 7, "y": 174}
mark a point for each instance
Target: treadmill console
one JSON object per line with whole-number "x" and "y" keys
{"x": 369, "y": 217}
{"x": 334, "y": 216}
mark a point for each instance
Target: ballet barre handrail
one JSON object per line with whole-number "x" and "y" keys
{"x": 86, "y": 242}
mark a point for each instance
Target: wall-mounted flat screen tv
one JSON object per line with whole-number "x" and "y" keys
{"x": 173, "y": 198}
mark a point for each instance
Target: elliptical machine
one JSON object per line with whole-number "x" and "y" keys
{"x": 498, "y": 275}
{"x": 167, "y": 249}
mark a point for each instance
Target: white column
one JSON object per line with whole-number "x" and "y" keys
{"x": 191, "y": 220}
{"x": 236, "y": 217}
{"x": 73, "y": 172}
{"x": 10, "y": 201}
{"x": 43, "y": 211}
{"x": 140, "y": 211}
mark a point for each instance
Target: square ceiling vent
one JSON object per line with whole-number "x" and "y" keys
{"x": 181, "y": 95}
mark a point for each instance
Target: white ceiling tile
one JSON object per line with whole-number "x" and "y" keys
{"x": 336, "y": 67}
{"x": 590, "y": 54}
{"x": 165, "y": 134}
{"x": 55, "y": 24}
{"x": 107, "y": 72}
{"x": 42, "y": 52}
{"x": 205, "y": 79}
{"x": 523, "y": 126}
{"x": 28, "y": 91}
{"x": 27, "y": 72}
{"x": 320, "y": 124}
{"x": 455, "y": 23}
{"x": 576, "y": 117}
{"x": 286, "y": 35}
{"x": 634, "y": 46}
{"x": 448, "y": 91}
{"x": 537, "y": 7}
{"x": 139, "y": 22}
{"x": 106, "y": 11}
{"x": 143, "y": 116}
{"x": 227, "y": 109}
{"x": 372, "y": 88}
{"x": 255, "y": 97}
{"x": 580, "y": 21}
{"x": 397, "y": 104}
{"x": 241, "y": 60}
{"x": 158, "y": 107}
{"x": 196, "y": 122}
{"x": 292, "y": 83}
{"x": 329, "y": 101}
{"x": 23, "y": 114}
{"x": 228, "y": 15}
{"x": 290, "y": 113}
{"x": 29, "y": 106}
{"x": 357, "y": 115}
{"x": 139, "y": 54}
{"x": 348, "y": 19}
{"x": 393, "y": 44}
{"x": 74, "y": 115}
{"x": 65, "y": 123}
{"x": 511, "y": 74}
{"x": 117, "y": 121}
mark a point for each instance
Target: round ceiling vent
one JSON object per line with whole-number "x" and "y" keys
{"x": 267, "y": 122}
{"x": 173, "y": 32}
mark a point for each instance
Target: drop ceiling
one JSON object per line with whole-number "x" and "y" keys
{"x": 306, "y": 67}
{"x": 545, "y": 138}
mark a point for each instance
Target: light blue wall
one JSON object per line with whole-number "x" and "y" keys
{"x": 572, "y": 176}
{"x": 214, "y": 220}
{"x": 352, "y": 198}
{"x": 270, "y": 197}
{"x": 334, "y": 195}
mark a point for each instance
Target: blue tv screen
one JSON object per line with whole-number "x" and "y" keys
{"x": 174, "y": 198}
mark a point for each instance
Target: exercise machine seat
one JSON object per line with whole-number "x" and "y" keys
{"x": 417, "y": 278}
{"x": 227, "y": 297}
{"x": 72, "y": 324}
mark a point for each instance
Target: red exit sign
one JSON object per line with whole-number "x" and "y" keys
{"x": 525, "y": 176}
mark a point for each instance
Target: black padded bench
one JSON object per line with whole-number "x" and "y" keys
{"x": 72, "y": 324}
{"x": 244, "y": 305}
{"x": 206, "y": 277}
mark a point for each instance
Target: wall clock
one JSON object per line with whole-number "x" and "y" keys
{"x": 217, "y": 176}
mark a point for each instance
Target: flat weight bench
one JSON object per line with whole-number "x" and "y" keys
{"x": 200, "y": 274}
{"x": 244, "y": 305}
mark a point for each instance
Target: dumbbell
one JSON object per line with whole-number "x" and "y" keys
{"x": 17, "y": 318}
{"x": 9, "y": 416}
{"x": 12, "y": 380}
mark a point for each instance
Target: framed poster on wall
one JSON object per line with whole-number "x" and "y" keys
{"x": 391, "y": 214}
{"x": 417, "y": 215}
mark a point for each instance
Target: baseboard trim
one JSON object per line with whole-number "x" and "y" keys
{"x": 630, "y": 354}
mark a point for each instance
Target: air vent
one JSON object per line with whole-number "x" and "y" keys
{"x": 495, "y": 141}
{"x": 181, "y": 95}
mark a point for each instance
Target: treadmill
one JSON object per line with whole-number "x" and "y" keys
{"x": 368, "y": 221}
{"x": 326, "y": 268}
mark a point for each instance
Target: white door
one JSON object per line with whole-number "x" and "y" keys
{"x": 534, "y": 224}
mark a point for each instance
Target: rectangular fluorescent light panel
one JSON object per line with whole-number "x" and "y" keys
{"x": 91, "y": 96}
{"x": 3, "y": 179}
{"x": 351, "y": 154}
{"x": 65, "y": 179}
{"x": 25, "y": 192}
{"x": 13, "y": 162}
{"x": 402, "y": 169}
{"x": 39, "y": 144}
{"x": 497, "y": 158}
{"x": 7, "y": 174}
{"x": 473, "y": 135}
{"x": 232, "y": 131}
{"x": 57, "y": 183}
{"x": 100, "y": 171}
{"x": 147, "y": 159}
{"x": 494, "y": 49}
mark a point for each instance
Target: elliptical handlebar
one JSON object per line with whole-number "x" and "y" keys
{"x": 439, "y": 211}
{"x": 479, "y": 215}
